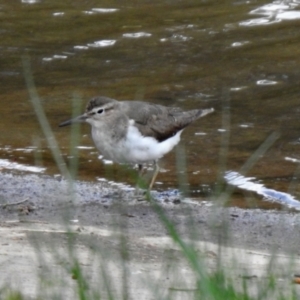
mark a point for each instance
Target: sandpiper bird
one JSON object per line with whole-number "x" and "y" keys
{"x": 135, "y": 132}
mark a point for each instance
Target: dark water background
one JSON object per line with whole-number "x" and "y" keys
{"x": 240, "y": 57}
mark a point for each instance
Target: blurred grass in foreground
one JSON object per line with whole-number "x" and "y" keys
{"x": 94, "y": 274}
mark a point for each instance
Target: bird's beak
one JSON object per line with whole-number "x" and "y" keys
{"x": 78, "y": 119}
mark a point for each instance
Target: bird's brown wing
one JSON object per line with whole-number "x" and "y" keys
{"x": 159, "y": 121}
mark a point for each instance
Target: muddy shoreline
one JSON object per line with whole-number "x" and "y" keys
{"x": 48, "y": 199}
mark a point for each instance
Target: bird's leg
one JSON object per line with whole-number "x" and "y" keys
{"x": 156, "y": 171}
{"x": 141, "y": 172}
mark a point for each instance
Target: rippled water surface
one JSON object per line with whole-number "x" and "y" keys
{"x": 240, "y": 57}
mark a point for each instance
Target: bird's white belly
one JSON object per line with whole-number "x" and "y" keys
{"x": 134, "y": 148}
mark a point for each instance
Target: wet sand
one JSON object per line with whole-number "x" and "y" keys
{"x": 37, "y": 213}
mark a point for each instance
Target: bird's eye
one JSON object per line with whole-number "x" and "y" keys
{"x": 100, "y": 111}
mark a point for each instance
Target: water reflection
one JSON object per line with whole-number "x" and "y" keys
{"x": 274, "y": 12}
{"x": 58, "y": 14}
{"x": 30, "y": 1}
{"x": 136, "y": 35}
{"x": 246, "y": 183}
{"x": 104, "y": 10}
{"x": 9, "y": 165}
{"x": 102, "y": 43}
{"x": 55, "y": 57}
{"x": 239, "y": 44}
{"x": 266, "y": 82}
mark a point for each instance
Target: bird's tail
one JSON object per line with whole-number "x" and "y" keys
{"x": 204, "y": 112}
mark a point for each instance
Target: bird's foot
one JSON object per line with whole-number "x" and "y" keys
{"x": 142, "y": 194}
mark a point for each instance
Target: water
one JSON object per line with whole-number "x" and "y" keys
{"x": 240, "y": 57}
